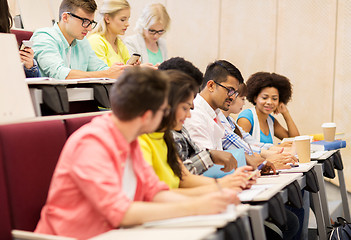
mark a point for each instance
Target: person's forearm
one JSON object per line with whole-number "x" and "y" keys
{"x": 74, "y": 74}
{"x": 191, "y": 181}
{"x": 196, "y": 191}
{"x": 292, "y": 128}
{"x": 141, "y": 212}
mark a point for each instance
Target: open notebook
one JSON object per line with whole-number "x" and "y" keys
{"x": 197, "y": 221}
{"x": 53, "y": 81}
{"x": 249, "y": 194}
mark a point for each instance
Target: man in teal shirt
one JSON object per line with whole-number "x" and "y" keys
{"x": 63, "y": 52}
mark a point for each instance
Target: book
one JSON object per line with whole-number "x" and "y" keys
{"x": 327, "y": 146}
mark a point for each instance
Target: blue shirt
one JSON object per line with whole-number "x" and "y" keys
{"x": 248, "y": 115}
{"x": 56, "y": 57}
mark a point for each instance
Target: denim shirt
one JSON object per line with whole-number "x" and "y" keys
{"x": 33, "y": 71}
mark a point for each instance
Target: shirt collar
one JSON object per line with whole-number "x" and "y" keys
{"x": 123, "y": 145}
{"x": 64, "y": 40}
{"x": 201, "y": 103}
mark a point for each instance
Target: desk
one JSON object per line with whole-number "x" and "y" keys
{"x": 74, "y": 95}
{"x": 78, "y": 90}
{"x": 258, "y": 213}
{"x": 343, "y": 191}
{"x": 279, "y": 182}
{"x": 319, "y": 208}
{"x": 157, "y": 233}
{"x": 235, "y": 221}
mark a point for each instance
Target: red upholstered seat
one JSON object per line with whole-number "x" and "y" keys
{"x": 5, "y": 221}
{"x": 72, "y": 124}
{"x": 29, "y": 152}
{"x": 21, "y": 35}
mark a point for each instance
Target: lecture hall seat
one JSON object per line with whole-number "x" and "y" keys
{"x": 29, "y": 153}
{"x": 72, "y": 124}
{"x": 21, "y": 35}
{"x": 5, "y": 221}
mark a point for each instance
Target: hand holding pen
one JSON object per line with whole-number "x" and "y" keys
{"x": 259, "y": 168}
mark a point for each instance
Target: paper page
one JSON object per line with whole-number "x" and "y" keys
{"x": 317, "y": 154}
{"x": 303, "y": 167}
{"x": 95, "y": 80}
{"x": 49, "y": 81}
{"x": 196, "y": 221}
{"x": 249, "y": 194}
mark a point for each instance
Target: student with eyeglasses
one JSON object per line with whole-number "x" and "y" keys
{"x": 218, "y": 90}
{"x": 152, "y": 24}
{"x": 104, "y": 39}
{"x": 102, "y": 182}
{"x": 160, "y": 151}
{"x": 63, "y": 52}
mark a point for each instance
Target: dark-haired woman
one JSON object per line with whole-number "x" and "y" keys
{"x": 270, "y": 93}
{"x": 27, "y": 55}
{"x": 159, "y": 149}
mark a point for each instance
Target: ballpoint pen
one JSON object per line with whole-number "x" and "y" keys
{"x": 259, "y": 168}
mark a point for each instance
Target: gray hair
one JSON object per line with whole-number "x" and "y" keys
{"x": 153, "y": 13}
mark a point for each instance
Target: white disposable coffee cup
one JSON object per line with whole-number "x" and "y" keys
{"x": 329, "y": 131}
{"x": 303, "y": 148}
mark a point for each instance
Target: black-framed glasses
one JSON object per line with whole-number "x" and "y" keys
{"x": 154, "y": 32}
{"x": 85, "y": 22}
{"x": 231, "y": 91}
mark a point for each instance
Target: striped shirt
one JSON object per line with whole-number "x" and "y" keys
{"x": 233, "y": 141}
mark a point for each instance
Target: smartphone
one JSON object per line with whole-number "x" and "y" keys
{"x": 26, "y": 43}
{"x": 133, "y": 59}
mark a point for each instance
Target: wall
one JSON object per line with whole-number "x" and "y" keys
{"x": 309, "y": 41}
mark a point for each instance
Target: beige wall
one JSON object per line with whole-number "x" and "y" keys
{"x": 309, "y": 41}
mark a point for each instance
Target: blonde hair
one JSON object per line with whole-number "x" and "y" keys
{"x": 110, "y": 7}
{"x": 153, "y": 13}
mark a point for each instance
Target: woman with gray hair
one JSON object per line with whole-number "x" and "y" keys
{"x": 152, "y": 24}
{"x": 104, "y": 38}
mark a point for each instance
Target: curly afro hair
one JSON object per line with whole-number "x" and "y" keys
{"x": 178, "y": 63}
{"x": 261, "y": 80}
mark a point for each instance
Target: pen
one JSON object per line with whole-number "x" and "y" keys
{"x": 218, "y": 185}
{"x": 259, "y": 168}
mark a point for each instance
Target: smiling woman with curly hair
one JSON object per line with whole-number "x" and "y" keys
{"x": 269, "y": 92}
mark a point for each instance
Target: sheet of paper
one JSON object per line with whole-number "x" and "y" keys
{"x": 318, "y": 154}
{"x": 196, "y": 221}
{"x": 303, "y": 167}
{"x": 249, "y": 194}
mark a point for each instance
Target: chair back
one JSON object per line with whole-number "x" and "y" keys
{"x": 29, "y": 153}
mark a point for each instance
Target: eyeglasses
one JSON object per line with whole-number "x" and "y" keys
{"x": 154, "y": 32}
{"x": 231, "y": 91}
{"x": 85, "y": 22}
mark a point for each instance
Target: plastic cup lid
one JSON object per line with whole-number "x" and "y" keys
{"x": 328, "y": 125}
